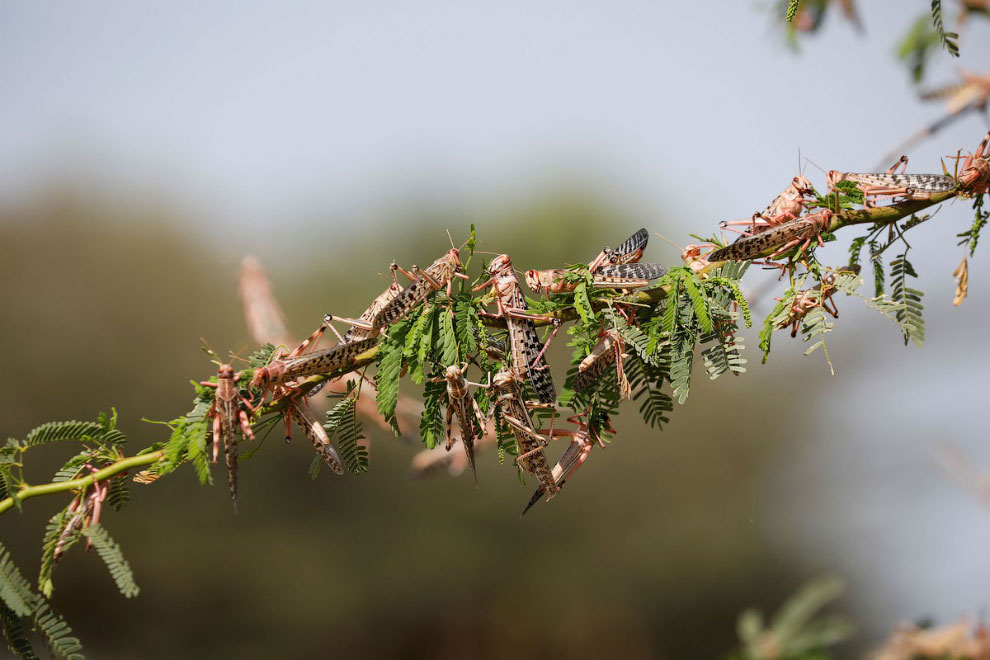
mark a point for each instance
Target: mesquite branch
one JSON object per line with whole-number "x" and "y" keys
{"x": 883, "y": 215}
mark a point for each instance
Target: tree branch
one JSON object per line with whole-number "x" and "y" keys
{"x": 124, "y": 464}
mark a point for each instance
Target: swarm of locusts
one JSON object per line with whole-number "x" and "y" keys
{"x": 479, "y": 346}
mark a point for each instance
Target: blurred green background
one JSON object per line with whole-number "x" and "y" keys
{"x": 144, "y": 150}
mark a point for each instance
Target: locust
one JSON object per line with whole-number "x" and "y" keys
{"x": 975, "y": 175}
{"x": 228, "y": 416}
{"x": 299, "y": 413}
{"x": 515, "y": 413}
{"x": 891, "y": 184}
{"x": 582, "y": 440}
{"x": 83, "y": 512}
{"x": 779, "y": 239}
{"x": 693, "y": 259}
{"x": 376, "y": 307}
{"x": 808, "y": 299}
{"x": 302, "y": 361}
{"x": 365, "y": 331}
{"x": 609, "y": 352}
{"x": 461, "y": 404}
{"x": 524, "y": 342}
{"x": 610, "y": 276}
{"x": 629, "y": 251}
{"x": 788, "y": 205}
{"x": 439, "y": 275}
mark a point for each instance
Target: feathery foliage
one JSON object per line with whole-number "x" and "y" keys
{"x": 111, "y": 555}
{"x": 947, "y": 39}
{"x": 971, "y": 236}
{"x": 15, "y": 591}
{"x": 909, "y": 316}
{"x": 345, "y": 431}
{"x": 792, "y": 9}
{"x": 431, "y": 423}
{"x": 62, "y": 431}
{"x": 56, "y": 634}
{"x": 389, "y": 365}
{"x": 15, "y": 634}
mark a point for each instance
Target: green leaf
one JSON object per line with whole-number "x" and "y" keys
{"x": 59, "y": 431}
{"x": 909, "y": 316}
{"x": 112, "y": 556}
{"x": 792, "y": 9}
{"x": 54, "y": 532}
{"x": 465, "y": 319}
{"x": 15, "y": 634}
{"x": 948, "y": 39}
{"x": 582, "y": 303}
{"x": 431, "y": 424}
{"x": 699, "y": 303}
{"x": 448, "y": 339}
{"x": 15, "y": 591}
{"x": 389, "y": 366}
{"x": 56, "y": 633}
{"x": 971, "y": 237}
{"x": 345, "y": 430}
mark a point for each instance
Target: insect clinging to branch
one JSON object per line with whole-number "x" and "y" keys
{"x": 891, "y": 184}
{"x": 461, "y": 404}
{"x": 788, "y": 205}
{"x": 777, "y": 240}
{"x": 515, "y": 413}
{"x": 630, "y": 251}
{"x": 525, "y": 346}
{"x": 582, "y": 441}
{"x": 228, "y": 416}
{"x": 975, "y": 175}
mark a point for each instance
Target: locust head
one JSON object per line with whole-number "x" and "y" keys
{"x": 453, "y": 373}
{"x": 537, "y": 280}
{"x": 225, "y": 371}
{"x": 802, "y": 185}
{"x": 833, "y": 177}
{"x": 499, "y": 263}
{"x": 503, "y": 380}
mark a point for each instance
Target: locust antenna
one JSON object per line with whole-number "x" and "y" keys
{"x": 679, "y": 248}
{"x": 819, "y": 167}
{"x": 450, "y": 238}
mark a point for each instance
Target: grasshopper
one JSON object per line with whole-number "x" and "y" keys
{"x": 787, "y": 235}
{"x": 376, "y": 307}
{"x": 510, "y": 402}
{"x": 227, "y": 416}
{"x": 891, "y": 184}
{"x": 609, "y": 351}
{"x": 524, "y": 342}
{"x": 693, "y": 259}
{"x": 459, "y": 402}
{"x": 439, "y": 275}
{"x": 975, "y": 175}
{"x": 84, "y": 511}
{"x": 629, "y": 251}
{"x": 610, "y": 276}
{"x": 808, "y": 299}
{"x": 788, "y": 205}
{"x": 303, "y": 361}
{"x": 300, "y": 414}
{"x": 574, "y": 456}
